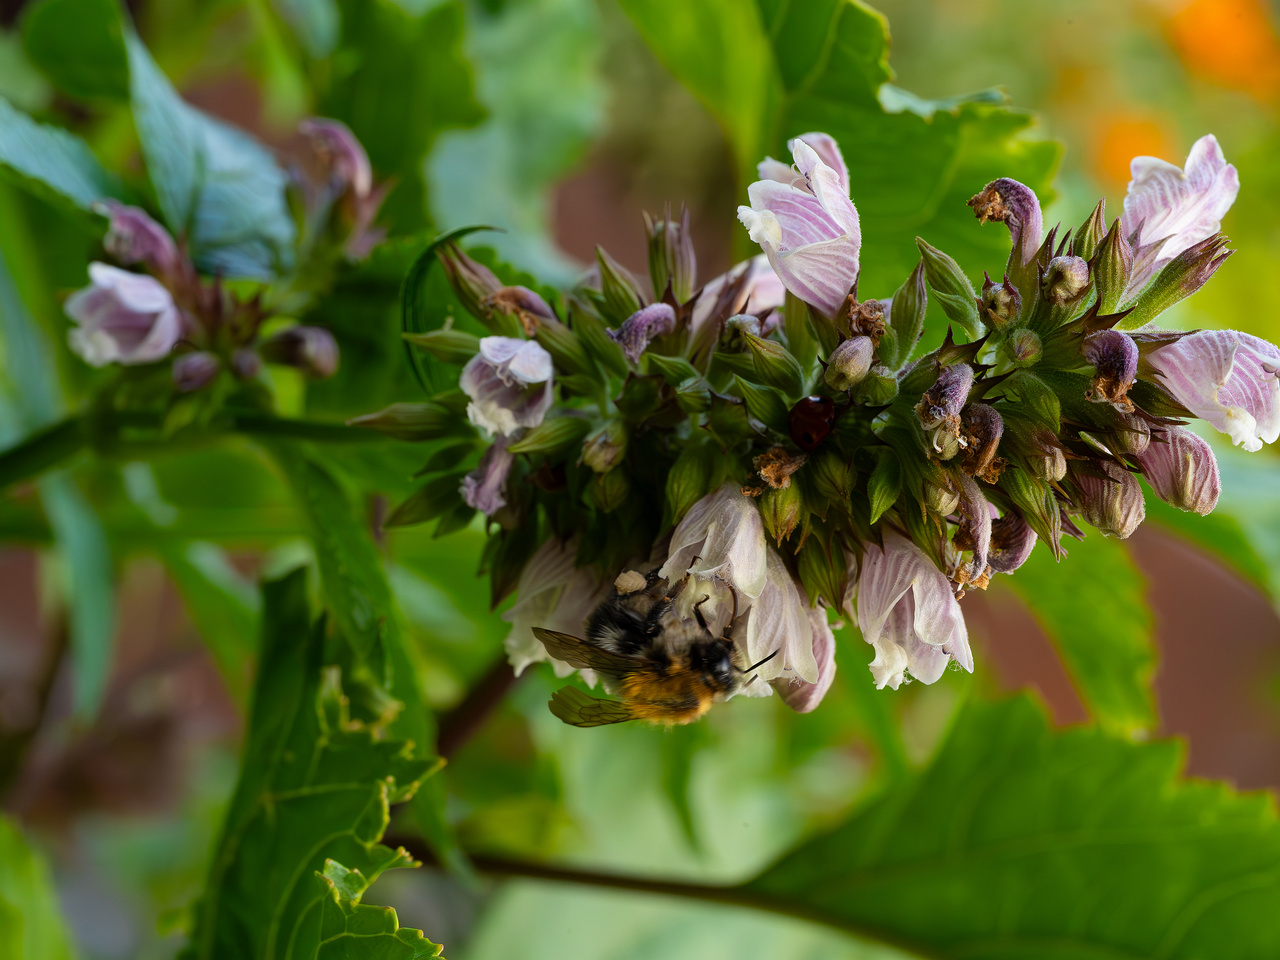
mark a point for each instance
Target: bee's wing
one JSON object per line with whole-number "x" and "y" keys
{"x": 585, "y": 656}
{"x": 580, "y": 710}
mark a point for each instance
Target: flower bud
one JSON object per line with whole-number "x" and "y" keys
{"x": 339, "y": 150}
{"x": 939, "y": 407}
{"x": 447, "y": 345}
{"x": 311, "y": 349}
{"x": 604, "y": 450}
{"x": 619, "y": 293}
{"x": 687, "y": 481}
{"x": 1182, "y": 470}
{"x": 133, "y": 237}
{"x": 780, "y": 511}
{"x": 1017, "y": 207}
{"x": 775, "y": 366}
{"x": 1001, "y": 302}
{"x": 412, "y": 421}
{"x": 1112, "y": 266}
{"x": 1011, "y": 543}
{"x": 193, "y": 371}
{"x": 951, "y": 288}
{"x": 1132, "y": 435}
{"x": 473, "y": 283}
{"x": 906, "y": 318}
{"x": 671, "y": 257}
{"x": 246, "y": 364}
{"x": 850, "y": 363}
{"x": 1179, "y": 278}
{"x": 1047, "y": 458}
{"x": 610, "y": 490}
{"x": 1114, "y": 356}
{"x": 1065, "y": 279}
{"x": 1023, "y": 347}
{"x": 941, "y": 498}
{"x": 524, "y": 304}
{"x": 1110, "y": 498}
{"x": 640, "y": 329}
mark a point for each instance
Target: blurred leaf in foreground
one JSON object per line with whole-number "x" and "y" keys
{"x": 1021, "y": 842}
{"x": 30, "y": 925}
{"x": 314, "y": 786}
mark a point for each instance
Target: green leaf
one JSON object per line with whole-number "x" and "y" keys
{"x": 90, "y": 597}
{"x": 1093, "y": 607}
{"x": 51, "y": 162}
{"x": 350, "y": 929}
{"x": 773, "y": 69}
{"x": 31, "y": 926}
{"x": 79, "y": 46}
{"x": 1018, "y": 842}
{"x": 216, "y": 186}
{"x": 313, "y": 786}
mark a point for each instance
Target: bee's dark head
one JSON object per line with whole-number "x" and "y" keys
{"x": 714, "y": 660}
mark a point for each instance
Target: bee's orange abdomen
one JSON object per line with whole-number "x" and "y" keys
{"x": 679, "y": 696}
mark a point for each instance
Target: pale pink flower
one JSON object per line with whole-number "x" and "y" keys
{"x": 1182, "y": 469}
{"x": 122, "y": 317}
{"x": 800, "y": 695}
{"x": 1227, "y": 378}
{"x": 908, "y": 613}
{"x": 510, "y": 384}
{"x": 806, "y": 224}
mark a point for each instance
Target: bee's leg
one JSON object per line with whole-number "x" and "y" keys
{"x": 728, "y": 631}
{"x": 683, "y": 581}
{"x": 697, "y": 613}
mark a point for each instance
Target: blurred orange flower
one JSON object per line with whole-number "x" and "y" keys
{"x": 1230, "y": 42}
{"x": 1119, "y": 137}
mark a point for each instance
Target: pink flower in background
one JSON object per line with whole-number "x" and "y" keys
{"x": 1179, "y": 206}
{"x": 907, "y": 612}
{"x": 510, "y": 384}
{"x": 122, "y": 317}
{"x": 806, "y": 224}
{"x": 1227, "y": 378}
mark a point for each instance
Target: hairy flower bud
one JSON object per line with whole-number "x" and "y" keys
{"x": 1111, "y": 498}
{"x": 906, "y": 318}
{"x": 939, "y": 407}
{"x": 941, "y": 498}
{"x": 340, "y": 151}
{"x": 311, "y": 349}
{"x": 1132, "y": 435}
{"x": 1023, "y": 347}
{"x": 192, "y": 371}
{"x": 412, "y": 421}
{"x": 640, "y": 329}
{"x": 983, "y": 429}
{"x": 246, "y": 363}
{"x": 1114, "y": 356}
{"x": 1182, "y": 470}
{"x": 1112, "y": 267}
{"x": 850, "y": 363}
{"x": 604, "y": 449}
{"x": 1048, "y": 460}
{"x": 133, "y": 237}
{"x": 619, "y": 293}
{"x": 833, "y": 476}
{"x": 1001, "y": 302}
{"x": 447, "y": 344}
{"x": 671, "y": 256}
{"x": 484, "y": 488}
{"x": 472, "y": 282}
{"x": 780, "y": 509}
{"x": 951, "y": 288}
{"x": 1180, "y": 277}
{"x": 1065, "y": 279}
{"x": 1091, "y": 232}
{"x": 1017, "y": 207}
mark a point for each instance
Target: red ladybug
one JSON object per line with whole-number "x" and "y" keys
{"x": 810, "y": 421}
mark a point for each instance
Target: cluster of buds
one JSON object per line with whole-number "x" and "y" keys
{"x": 163, "y": 310}
{"x": 786, "y": 444}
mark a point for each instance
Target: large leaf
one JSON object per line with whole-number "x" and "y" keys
{"x": 1021, "y": 843}
{"x": 1093, "y": 607}
{"x": 772, "y": 69}
{"x": 30, "y": 924}
{"x": 216, "y": 186}
{"x": 79, "y": 46}
{"x": 313, "y": 786}
{"x": 350, "y": 929}
{"x": 51, "y": 162}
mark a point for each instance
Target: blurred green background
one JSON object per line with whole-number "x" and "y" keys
{"x": 569, "y": 128}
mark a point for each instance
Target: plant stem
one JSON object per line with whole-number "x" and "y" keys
{"x": 463, "y": 722}
{"x": 43, "y": 449}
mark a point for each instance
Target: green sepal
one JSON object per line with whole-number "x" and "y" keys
{"x": 885, "y": 483}
{"x": 553, "y": 436}
{"x": 951, "y": 288}
{"x": 763, "y": 403}
{"x": 447, "y": 345}
{"x": 775, "y": 366}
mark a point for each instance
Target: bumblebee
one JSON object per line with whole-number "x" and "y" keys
{"x": 663, "y": 670}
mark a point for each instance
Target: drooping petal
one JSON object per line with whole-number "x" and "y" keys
{"x": 803, "y": 697}
{"x": 723, "y": 531}
{"x": 639, "y": 329}
{"x": 1227, "y": 378}
{"x": 779, "y": 628}
{"x": 484, "y": 488}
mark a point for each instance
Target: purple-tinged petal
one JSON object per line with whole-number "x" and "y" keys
{"x": 510, "y": 383}
{"x": 803, "y": 697}
{"x": 1227, "y": 378}
{"x": 1114, "y": 356}
{"x": 1180, "y": 207}
{"x": 122, "y": 317}
{"x": 1017, "y": 207}
{"x": 778, "y": 628}
{"x": 484, "y": 488}
{"x": 133, "y": 237}
{"x": 721, "y": 537}
{"x": 338, "y": 147}
{"x": 1182, "y": 470}
{"x": 640, "y": 329}
{"x": 1011, "y": 543}
{"x": 313, "y": 350}
{"x": 193, "y": 371}
{"x": 1110, "y": 498}
{"x": 974, "y": 532}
